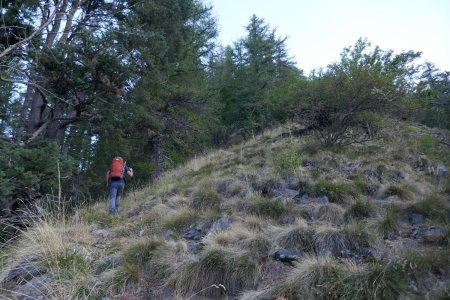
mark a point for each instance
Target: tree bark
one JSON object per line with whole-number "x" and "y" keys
{"x": 159, "y": 156}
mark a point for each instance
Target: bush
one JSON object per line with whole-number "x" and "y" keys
{"x": 404, "y": 191}
{"x": 287, "y": 161}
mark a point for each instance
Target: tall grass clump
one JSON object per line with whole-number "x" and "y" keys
{"x": 305, "y": 280}
{"x": 143, "y": 259}
{"x": 330, "y": 213}
{"x": 266, "y": 207}
{"x": 336, "y": 192}
{"x": 403, "y": 191}
{"x": 382, "y": 280}
{"x": 390, "y": 223}
{"x": 330, "y": 240}
{"x": 300, "y": 238}
{"x": 237, "y": 272}
{"x": 205, "y": 196}
{"x": 434, "y": 208}
{"x": 360, "y": 210}
{"x": 181, "y": 220}
{"x": 287, "y": 161}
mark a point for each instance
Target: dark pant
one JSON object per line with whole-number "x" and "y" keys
{"x": 116, "y": 189}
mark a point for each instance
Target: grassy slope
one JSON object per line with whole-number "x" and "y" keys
{"x": 372, "y": 190}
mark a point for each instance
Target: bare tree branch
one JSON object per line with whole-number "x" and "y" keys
{"x": 25, "y": 40}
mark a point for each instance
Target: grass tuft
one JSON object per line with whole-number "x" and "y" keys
{"x": 300, "y": 239}
{"x": 331, "y": 213}
{"x": 237, "y": 272}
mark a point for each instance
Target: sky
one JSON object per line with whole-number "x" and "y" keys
{"x": 318, "y": 30}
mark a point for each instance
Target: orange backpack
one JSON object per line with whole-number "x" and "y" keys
{"x": 117, "y": 168}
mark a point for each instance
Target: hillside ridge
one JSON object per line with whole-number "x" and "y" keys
{"x": 276, "y": 217}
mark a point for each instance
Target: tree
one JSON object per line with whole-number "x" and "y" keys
{"x": 433, "y": 92}
{"x": 258, "y": 65}
{"x": 167, "y": 43}
{"x": 343, "y": 102}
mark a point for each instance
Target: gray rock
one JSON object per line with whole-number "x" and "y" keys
{"x": 302, "y": 200}
{"x": 221, "y": 224}
{"x": 415, "y": 218}
{"x": 441, "y": 171}
{"x": 36, "y": 288}
{"x": 428, "y": 233}
{"x": 286, "y": 255}
{"x": 283, "y": 192}
{"x": 323, "y": 200}
{"x": 193, "y": 234}
{"x": 398, "y": 176}
{"x": 26, "y": 270}
{"x": 288, "y": 218}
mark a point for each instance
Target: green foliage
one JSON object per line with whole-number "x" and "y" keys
{"x": 101, "y": 217}
{"x": 344, "y": 103}
{"x": 390, "y": 224}
{"x": 287, "y": 161}
{"x": 379, "y": 281}
{"x": 433, "y": 149}
{"x": 269, "y": 208}
{"x": 259, "y": 247}
{"x": 144, "y": 258}
{"x": 68, "y": 265}
{"x": 336, "y": 192}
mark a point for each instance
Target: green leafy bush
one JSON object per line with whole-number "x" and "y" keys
{"x": 287, "y": 161}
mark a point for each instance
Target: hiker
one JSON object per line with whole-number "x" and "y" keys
{"x": 115, "y": 178}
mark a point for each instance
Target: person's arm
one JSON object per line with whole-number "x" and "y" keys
{"x": 129, "y": 171}
{"x": 107, "y": 177}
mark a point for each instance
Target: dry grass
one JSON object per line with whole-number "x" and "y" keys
{"x": 330, "y": 213}
{"x": 330, "y": 240}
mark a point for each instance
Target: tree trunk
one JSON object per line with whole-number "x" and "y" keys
{"x": 159, "y": 156}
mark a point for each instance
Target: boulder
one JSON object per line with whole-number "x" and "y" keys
{"x": 286, "y": 255}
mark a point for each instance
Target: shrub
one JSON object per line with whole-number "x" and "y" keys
{"x": 300, "y": 238}
{"x": 287, "y": 161}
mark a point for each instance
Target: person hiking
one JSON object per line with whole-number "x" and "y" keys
{"x": 115, "y": 178}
